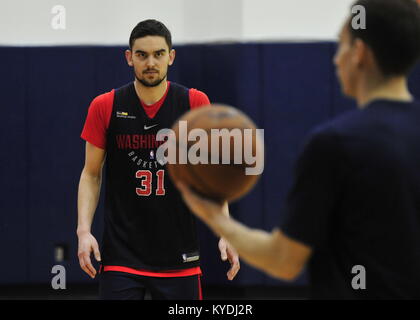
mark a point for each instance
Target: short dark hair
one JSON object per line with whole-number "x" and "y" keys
{"x": 392, "y": 32}
{"x": 150, "y": 27}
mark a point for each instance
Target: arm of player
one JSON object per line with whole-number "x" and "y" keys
{"x": 228, "y": 252}
{"x": 88, "y": 196}
{"x": 274, "y": 253}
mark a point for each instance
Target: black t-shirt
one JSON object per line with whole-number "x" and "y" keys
{"x": 356, "y": 202}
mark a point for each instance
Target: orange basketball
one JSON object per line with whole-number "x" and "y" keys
{"x": 222, "y": 144}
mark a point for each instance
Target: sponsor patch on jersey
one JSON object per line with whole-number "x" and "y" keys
{"x": 121, "y": 114}
{"x": 189, "y": 257}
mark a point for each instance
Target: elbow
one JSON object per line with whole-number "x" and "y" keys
{"x": 91, "y": 175}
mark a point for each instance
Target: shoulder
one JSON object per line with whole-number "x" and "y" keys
{"x": 100, "y": 109}
{"x": 329, "y": 137}
{"x": 197, "y": 94}
{"x": 324, "y": 132}
{"x": 198, "y": 98}
{"x": 321, "y": 141}
{"x": 340, "y": 137}
{"x": 345, "y": 121}
{"x": 344, "y": 125}
{"x": 103, "y": 101}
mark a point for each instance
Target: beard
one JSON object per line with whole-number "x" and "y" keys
{"x": 150, "y": 84}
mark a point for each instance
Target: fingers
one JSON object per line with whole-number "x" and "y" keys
{"x": 223, "y": 255}
{"x": 88, "y": 244}
{"x": 233, "y": 257}
{"x": 96, "y": 252}
{"x": 235, "y": 266}
{"x": 223, "y": 250}
{"x": 86, "y": 264}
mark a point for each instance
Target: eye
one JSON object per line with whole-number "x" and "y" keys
{"x": 159, "y": 54}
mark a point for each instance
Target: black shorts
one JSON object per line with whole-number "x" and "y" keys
{"x": 114, "y": 285}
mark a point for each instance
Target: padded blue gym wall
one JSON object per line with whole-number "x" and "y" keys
{"x": 287, "y": 88}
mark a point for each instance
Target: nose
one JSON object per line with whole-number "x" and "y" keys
{"x": 150, "y": 61}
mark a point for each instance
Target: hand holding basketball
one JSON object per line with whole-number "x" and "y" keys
{"x": 222, "y": 149}
{"x": 202, "y": 207}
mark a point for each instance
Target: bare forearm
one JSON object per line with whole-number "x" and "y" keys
{"x": 275, "y": 253}
{"x": 88, "y": 197}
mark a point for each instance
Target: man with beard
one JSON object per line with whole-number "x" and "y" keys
{"x": 150, "y": 241}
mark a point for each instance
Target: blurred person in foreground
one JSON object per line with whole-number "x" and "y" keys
{"x": 355, "y": 201}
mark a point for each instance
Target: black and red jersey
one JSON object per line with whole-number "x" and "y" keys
{"x": 148, "y": 227}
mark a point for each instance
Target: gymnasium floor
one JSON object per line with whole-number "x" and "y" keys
{"x": 89, "y": 292}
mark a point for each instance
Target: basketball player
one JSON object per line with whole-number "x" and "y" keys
{"x": 353, "y": 214}
{"x": 150, "y": 241}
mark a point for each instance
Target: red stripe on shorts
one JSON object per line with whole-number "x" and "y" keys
{"x": 200, "y": 292}
{"x": 162, "y": 274}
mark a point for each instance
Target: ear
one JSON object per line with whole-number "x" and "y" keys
{"x": 129, "y": 57}
{"x": 172, "y": 55}
{"x": 360, "y": 53}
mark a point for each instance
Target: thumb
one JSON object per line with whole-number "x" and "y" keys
{"x": 223, "y": 253}
{"x": 97, "y": 253}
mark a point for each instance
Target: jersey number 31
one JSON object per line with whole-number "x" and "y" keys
{"x": 146, "y": 177}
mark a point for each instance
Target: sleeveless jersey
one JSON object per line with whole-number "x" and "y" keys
{"x": 147, "y": 224}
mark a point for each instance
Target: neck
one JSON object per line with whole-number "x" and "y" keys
{"x": 150, "y": 95}
{"x": 394, "y": 88}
